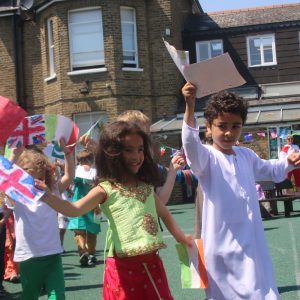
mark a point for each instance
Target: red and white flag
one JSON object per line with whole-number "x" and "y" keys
{"x": 10, "y": 116}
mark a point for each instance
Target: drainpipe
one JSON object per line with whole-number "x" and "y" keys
{"x": 18, "y": 53}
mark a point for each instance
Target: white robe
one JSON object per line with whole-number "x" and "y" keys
{"x": 235, "y": 249}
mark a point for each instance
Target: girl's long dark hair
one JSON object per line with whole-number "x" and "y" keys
{"x": 109, "y": 160}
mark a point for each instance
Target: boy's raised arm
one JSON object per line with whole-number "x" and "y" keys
{"x": 189, "y": 93}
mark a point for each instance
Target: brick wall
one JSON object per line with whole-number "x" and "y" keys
{"x": 7, "y": 74}
{"x": 154, "y": 90}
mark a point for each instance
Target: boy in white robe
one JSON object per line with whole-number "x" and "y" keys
{"x": 235, "y": 250}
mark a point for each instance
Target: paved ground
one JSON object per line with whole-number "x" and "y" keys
{"x": 283, "y": 236}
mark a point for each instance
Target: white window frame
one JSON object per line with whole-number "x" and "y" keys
{"x": 91, "y": 64}
{"x": 51, "y": 49}
{"x": 208, "y": 43}
{"x": 274, "y": 62}
{"x": 130, "y": 63}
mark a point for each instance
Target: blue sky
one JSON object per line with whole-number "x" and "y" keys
{"x": 217, "y": 5}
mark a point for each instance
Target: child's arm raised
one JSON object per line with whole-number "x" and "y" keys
{"x": 164, "y": 192}
{"x": 96, "y": 196}
{"x": 189, "y": 93}
{"x": 170, "y": 223}
{"x": 69, "y": 171}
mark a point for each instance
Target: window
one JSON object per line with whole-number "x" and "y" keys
{"x": 261, "y": 50}
{"x": 129, "y": 37}
{"x": 86, "y": 39}
{"x": 277, "y": 137}
{"x": 51, "y": 56}
{"x": 208, "y": 49}
{"x": 85, "y": 121}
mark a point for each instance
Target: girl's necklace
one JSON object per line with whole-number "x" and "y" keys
{"x": 140, "y": 192}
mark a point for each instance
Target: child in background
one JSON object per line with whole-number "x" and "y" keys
{"x": 235, "y": 250}
{"x": 284, "y": 152}
{"x": 127, "y": 172}
{"x": 4, "y": 214}
{"x": 84, "y": 227}
{"x": 12, "y": 271}
{"x": 62, "y": 220}
{"x": 38, "y": 245}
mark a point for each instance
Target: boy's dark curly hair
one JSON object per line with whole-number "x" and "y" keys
{"x": 225, "y": 102}
{"x": 109, "y": 160}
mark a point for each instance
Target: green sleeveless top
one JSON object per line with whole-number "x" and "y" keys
{"x": 132, "y": 218}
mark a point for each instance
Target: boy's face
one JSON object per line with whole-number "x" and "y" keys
{"x": 225, "y": 131}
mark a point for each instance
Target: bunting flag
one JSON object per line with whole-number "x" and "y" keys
{"x": 41, "y": 128}
{"x": 193, "y": 270}
{"x": 17, "y": 184}
{"x": 273, "y": 134}
{"x": 10, "y": 116}
{"x": 261, "y": 134}
{"x": 162, "y": 150}
{"x": 248, "y": 137}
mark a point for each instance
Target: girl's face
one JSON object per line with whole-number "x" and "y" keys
{"x": 225, "y": 131}
{"x": 133, "y": 152}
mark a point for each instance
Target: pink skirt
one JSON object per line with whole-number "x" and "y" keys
{"x": 138, "y": 277}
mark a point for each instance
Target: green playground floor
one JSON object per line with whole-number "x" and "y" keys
{"x": 283, "y": 235}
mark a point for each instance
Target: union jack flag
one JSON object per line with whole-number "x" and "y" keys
{"x": 17, "y": 184}
{"x": 30, "y": 131}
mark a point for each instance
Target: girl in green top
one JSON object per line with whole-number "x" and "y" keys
{"x": 127, "y": 175}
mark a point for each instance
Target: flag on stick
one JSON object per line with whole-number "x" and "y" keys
{"x": 41, "y": 128}
{"x": 193, "y": 270}
{"x": 17, "y": 184}
{"x": 162, "y": 150}
{"x": 30, "y": 131}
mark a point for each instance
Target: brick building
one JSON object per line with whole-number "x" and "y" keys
{"x": 263, "y": 43}
{"x": 92, "y": 59}
{"x": 84, "y": 57}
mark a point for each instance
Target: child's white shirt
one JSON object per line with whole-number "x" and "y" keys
{"x": 36, "y": 230}
{"x": 235, "y": 249}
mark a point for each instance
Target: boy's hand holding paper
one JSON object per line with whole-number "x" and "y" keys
{"x": 209, "y": 76}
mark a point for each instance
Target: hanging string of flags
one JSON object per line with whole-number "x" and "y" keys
{"x": 273, "y": 134}
{"x": 163, "y": 150}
